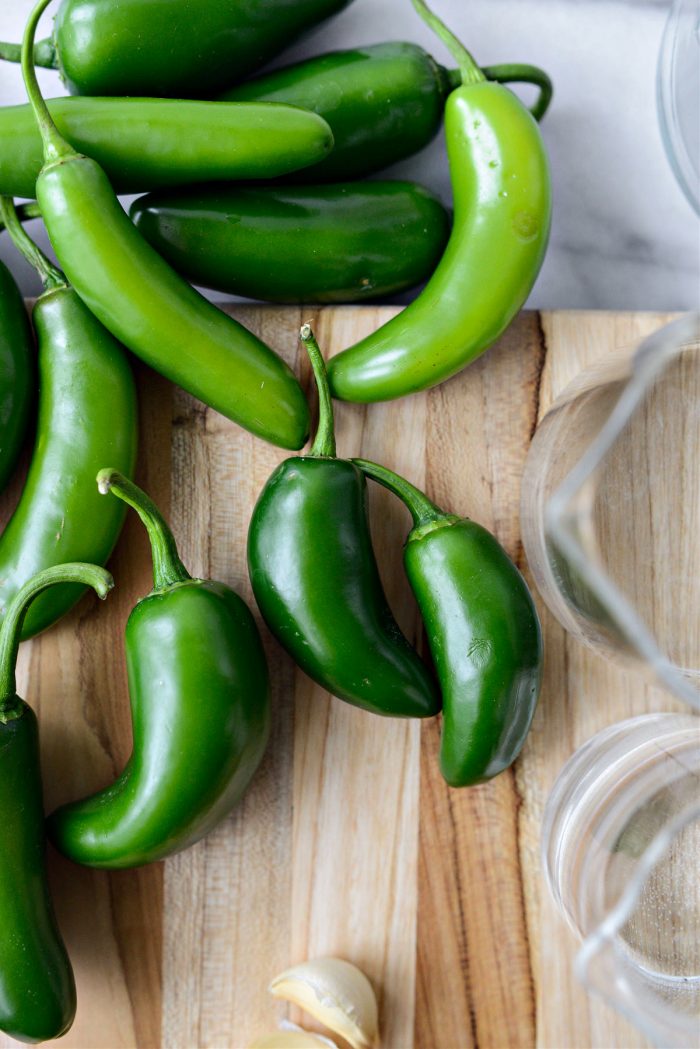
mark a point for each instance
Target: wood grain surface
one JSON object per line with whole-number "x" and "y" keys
{"x": 348, "y": 841}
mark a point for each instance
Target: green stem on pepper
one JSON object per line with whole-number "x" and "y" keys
{"x": 10, "y": 631}
{"x": 324, "y": 442}
{"x": 168, "y": 569}
{"x": 426, "y": 515}
{"x": 468, "y": 67}
{"x": 51, "y": 276}
{"x": 44, "y": 53}
{"x": 55, "y": 146}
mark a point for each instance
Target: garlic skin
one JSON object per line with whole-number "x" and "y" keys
{"x": 337, "y": 994}
{"x": 292, "y": 1040}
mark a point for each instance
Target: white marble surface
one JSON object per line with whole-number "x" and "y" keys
{"x": 623, "y": 236}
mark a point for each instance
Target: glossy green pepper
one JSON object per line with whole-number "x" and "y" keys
{"x": 315, "y": 578}
{"x": 151, "y": 143}
{"x": 17, "y": 374}
{"x": 144, "y": 303}
{"x": 200, "y": 703}
{"x": 383, "y": 102}
{"x": 370, "y": 239}
{"x": 178, "y": 48}
{"x": 37, "y": 989}
{"x": 87, "y": 412}
{"x": 502, "y": 205}
{"x": 483, "y": 631}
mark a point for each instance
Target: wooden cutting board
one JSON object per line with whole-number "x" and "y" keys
{"x": 348, "y": 842}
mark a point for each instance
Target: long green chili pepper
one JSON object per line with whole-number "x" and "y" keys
{"x": 87, "y": 412}
{"x": 383, "y": 102}
{"x": 316, "y": 581}
{"x": 370, "y": 239}
{"x": 17, "y": 378}
{"x": 176, "y": 48}
{"x": 151, "y": 143}
{"x": 37, "y": 989}
{"x": 144, "y": 303}
{"x": 200, "y": 705}
{"x": 502, "y": 205}
{"x": 483, "y": 631}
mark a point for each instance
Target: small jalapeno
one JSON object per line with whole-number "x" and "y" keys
{"x": 200, "y": 704}
{"x": 37, "y": 989}
{"x": 17, "y": 374}
{"x": 483, "y": 631}
{"x": 316, "y": 581}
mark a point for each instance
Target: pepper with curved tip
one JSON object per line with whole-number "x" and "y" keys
{"x": 502, "y": 205}
{"x": 200, "y": 705}
{"x": 178, "y": 48}
{"x": 315, "y": 578}
{"x": 144, "y": 303}
{"x": 383, "y": 102}
{"x": 483, "y": 631}
{"x": 152, "y": 143}
{"x": 370, "y": 239}
{"x": 37, "y": 989}
{"x": 17, "y": 378}
{"x": 87, "y": 412}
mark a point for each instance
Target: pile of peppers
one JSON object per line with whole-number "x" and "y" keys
{"x": 255, "y": 187}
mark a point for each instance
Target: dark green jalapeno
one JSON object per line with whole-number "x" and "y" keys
{"x": 87, "y": 411}
{"x": 178, "y": 48}
{"x": 483, "y": 631}
{"x": 383, "y": 102}
{"x": 370, "y": 239}
{"x": 150, "y": 143}
{"x": 316, "y": 581}
{"x": 16, "y": 373}
{"x": 37, "y": 989}
{"x": 200, "y": 705}
{"x": 144, "y": 303}
{"x": 502, "y": 205}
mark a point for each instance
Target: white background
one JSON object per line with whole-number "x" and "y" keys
{"x": 623, "y": 236}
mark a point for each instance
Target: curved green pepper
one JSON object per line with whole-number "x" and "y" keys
{"x": 144, "y": 303}
{"x": 37, "y": 989}
{"x": 178, "y": 48}
{"x": 87, "y": 412}
{"x": 151, "y": 143}
{"x": 200, "y": 706}
{"x": 383, "y": 102}
{"x": 369, "y": 239}
{"x": 483, "y": 631}
{"x": 502, "y": 205}
{"x": 316, "y": 581}
{"x": 16, "y": 374}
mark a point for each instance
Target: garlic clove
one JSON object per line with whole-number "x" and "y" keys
{"x": 292, "y": 1040}
{"x": 337, "y": 994}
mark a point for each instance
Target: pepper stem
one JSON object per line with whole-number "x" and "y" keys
{"x": 51, "y": 277}
{"x": 44, "y": 53}
{"x": 168, "y": 569}
{"x": 468, "y": 68}
{"x": 422, "y": 510}
{"x": 324, "y": 442}
{"x": 11, "y": 630}
{"x": 55, "y": 146}
{"x": 519, "y": 73}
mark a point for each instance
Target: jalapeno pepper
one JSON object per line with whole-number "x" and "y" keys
{"x": 179, "y": 48}
{"x": 383, "y": 102}
{"x": 87, "y": 411}
{"x": 200, "y": 706}
{"x": 370, "y": 239}
{"x": 502, "y": 204}
{"x": 144, "y": 303}
{"x": 37, "y": 989}
{"x": 16, "y": 374}
{"x": 149, "y": 143}
{"x": 483, "y": 631}
{"x": 316, "y": 581}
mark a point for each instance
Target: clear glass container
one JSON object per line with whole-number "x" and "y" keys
{"x": 621, "y": 853}
{"x": 678, "y": 95}
{"x": 610, "y": 511}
